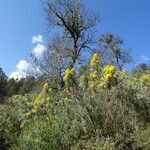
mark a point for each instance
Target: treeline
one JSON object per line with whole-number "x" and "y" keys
{"x": 10, "y": 87}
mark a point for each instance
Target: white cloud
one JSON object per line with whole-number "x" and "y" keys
{"x": 23, "y": 66}
{"x": 38, "y": 50}
{"x": 144, "y": 58}
{"x": 21, "y": 70}
{"x": 37, "y": 39}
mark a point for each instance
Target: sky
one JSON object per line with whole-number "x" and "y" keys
{"x": 23, "y": 29}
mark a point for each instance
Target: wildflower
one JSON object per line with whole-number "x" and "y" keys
{"x": 95, "y": 60}
{"x": 30, "y": 103}
{"x": 46, "y": 86}
{"x": 21, "y": 125}
{"x": 47, "y": 105}
{"x": 145, "y": 78}
{"x": 50, "y": 89}
{"x": 102, "y": 85}
{"x": 27, "y": 114}
{"x": 16, "y": 97}
{"x": 38, "y": 99}
{"x": 34, "y": 110}
{"x": 109, "y": 71}
{"x": 69, "y": 73}
{"x": 48, "y": 98}
{"x": 93, "y": 75}
{"x": 108, "y": 76}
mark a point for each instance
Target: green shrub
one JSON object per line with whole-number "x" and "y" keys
{"x": 142, "y": 139}
{"x": 9, "y": 125}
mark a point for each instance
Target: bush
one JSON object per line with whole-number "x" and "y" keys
{"x": 142, "y": 139}
{"x": 102, "y": 108}
{"x": 9, "y": 126}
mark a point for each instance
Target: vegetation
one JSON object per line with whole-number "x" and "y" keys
{"x": 100, "y": 108}
{"x": 76, "y": 105}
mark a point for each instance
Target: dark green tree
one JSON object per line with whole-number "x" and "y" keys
{"x": 3, "y": 82}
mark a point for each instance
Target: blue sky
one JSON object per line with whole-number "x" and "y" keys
{"x": 20, "y": 20}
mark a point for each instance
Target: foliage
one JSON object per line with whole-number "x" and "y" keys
{"x": 3, "y": 80}
{"x": 9, "y": 125}
{"x": 10, "y": 87}
{"x": 142, "y": 139}
{"x": 113, "y": 51}
{"x": 99, "y": 107}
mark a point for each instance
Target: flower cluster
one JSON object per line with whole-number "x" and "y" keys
{"x": 95, "y": 72}
{"x": 40, "y": 102}
{"x": 94, "y": 66}
{"x": 145, "y": 79}
{"x": 46, "y": 87}
{"x": 102, "y": 85}
{"x": 97, "y": 80}
{"x": 42, "y": 99}
{"x": 16, "y": 98}
{"x": 95, "y": 60}
{"x": 109, "y": 71}
{"x": 69, "y": 72}
{"x": 39, "y": 99}
{"x": 93, "y": 75}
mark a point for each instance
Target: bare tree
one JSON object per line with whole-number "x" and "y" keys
{"x": 112, "y": 51}
{"x": 76, "y": 36}
{"x": 76, "y": 23}
{"x": 55, "y": 59}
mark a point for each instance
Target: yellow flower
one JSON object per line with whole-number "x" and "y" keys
{"x": 95, "y": 60}
{"x": 39, "y": 99}
{"x": 21, "y": 125}
{"x": 145, "y": 79}
{"x": 27, "y": 114}
{"x": 69, "y": 73}
{"x": 82, "y": 77}
{"x": 109, "y": 69}
{"x": 30, "y": 103}
{"x": 46, "y": 86}
{"x": 34, "y": 110}
{"x": 16, "y": 97}
{"x": 48, "y": 98}
{"x": 102, "y": 85}
{"x": 50, "y": 89}
{"x": 108, "y": 76}
{"x": 93, "y": 75}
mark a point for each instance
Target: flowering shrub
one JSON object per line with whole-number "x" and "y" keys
{"x": 145, "y": 79}
{"x": 109, "y": 71}
{"x": 69, "y": 73}
{"x": 100, "y": 108}
{"x": 95, "y": 61}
